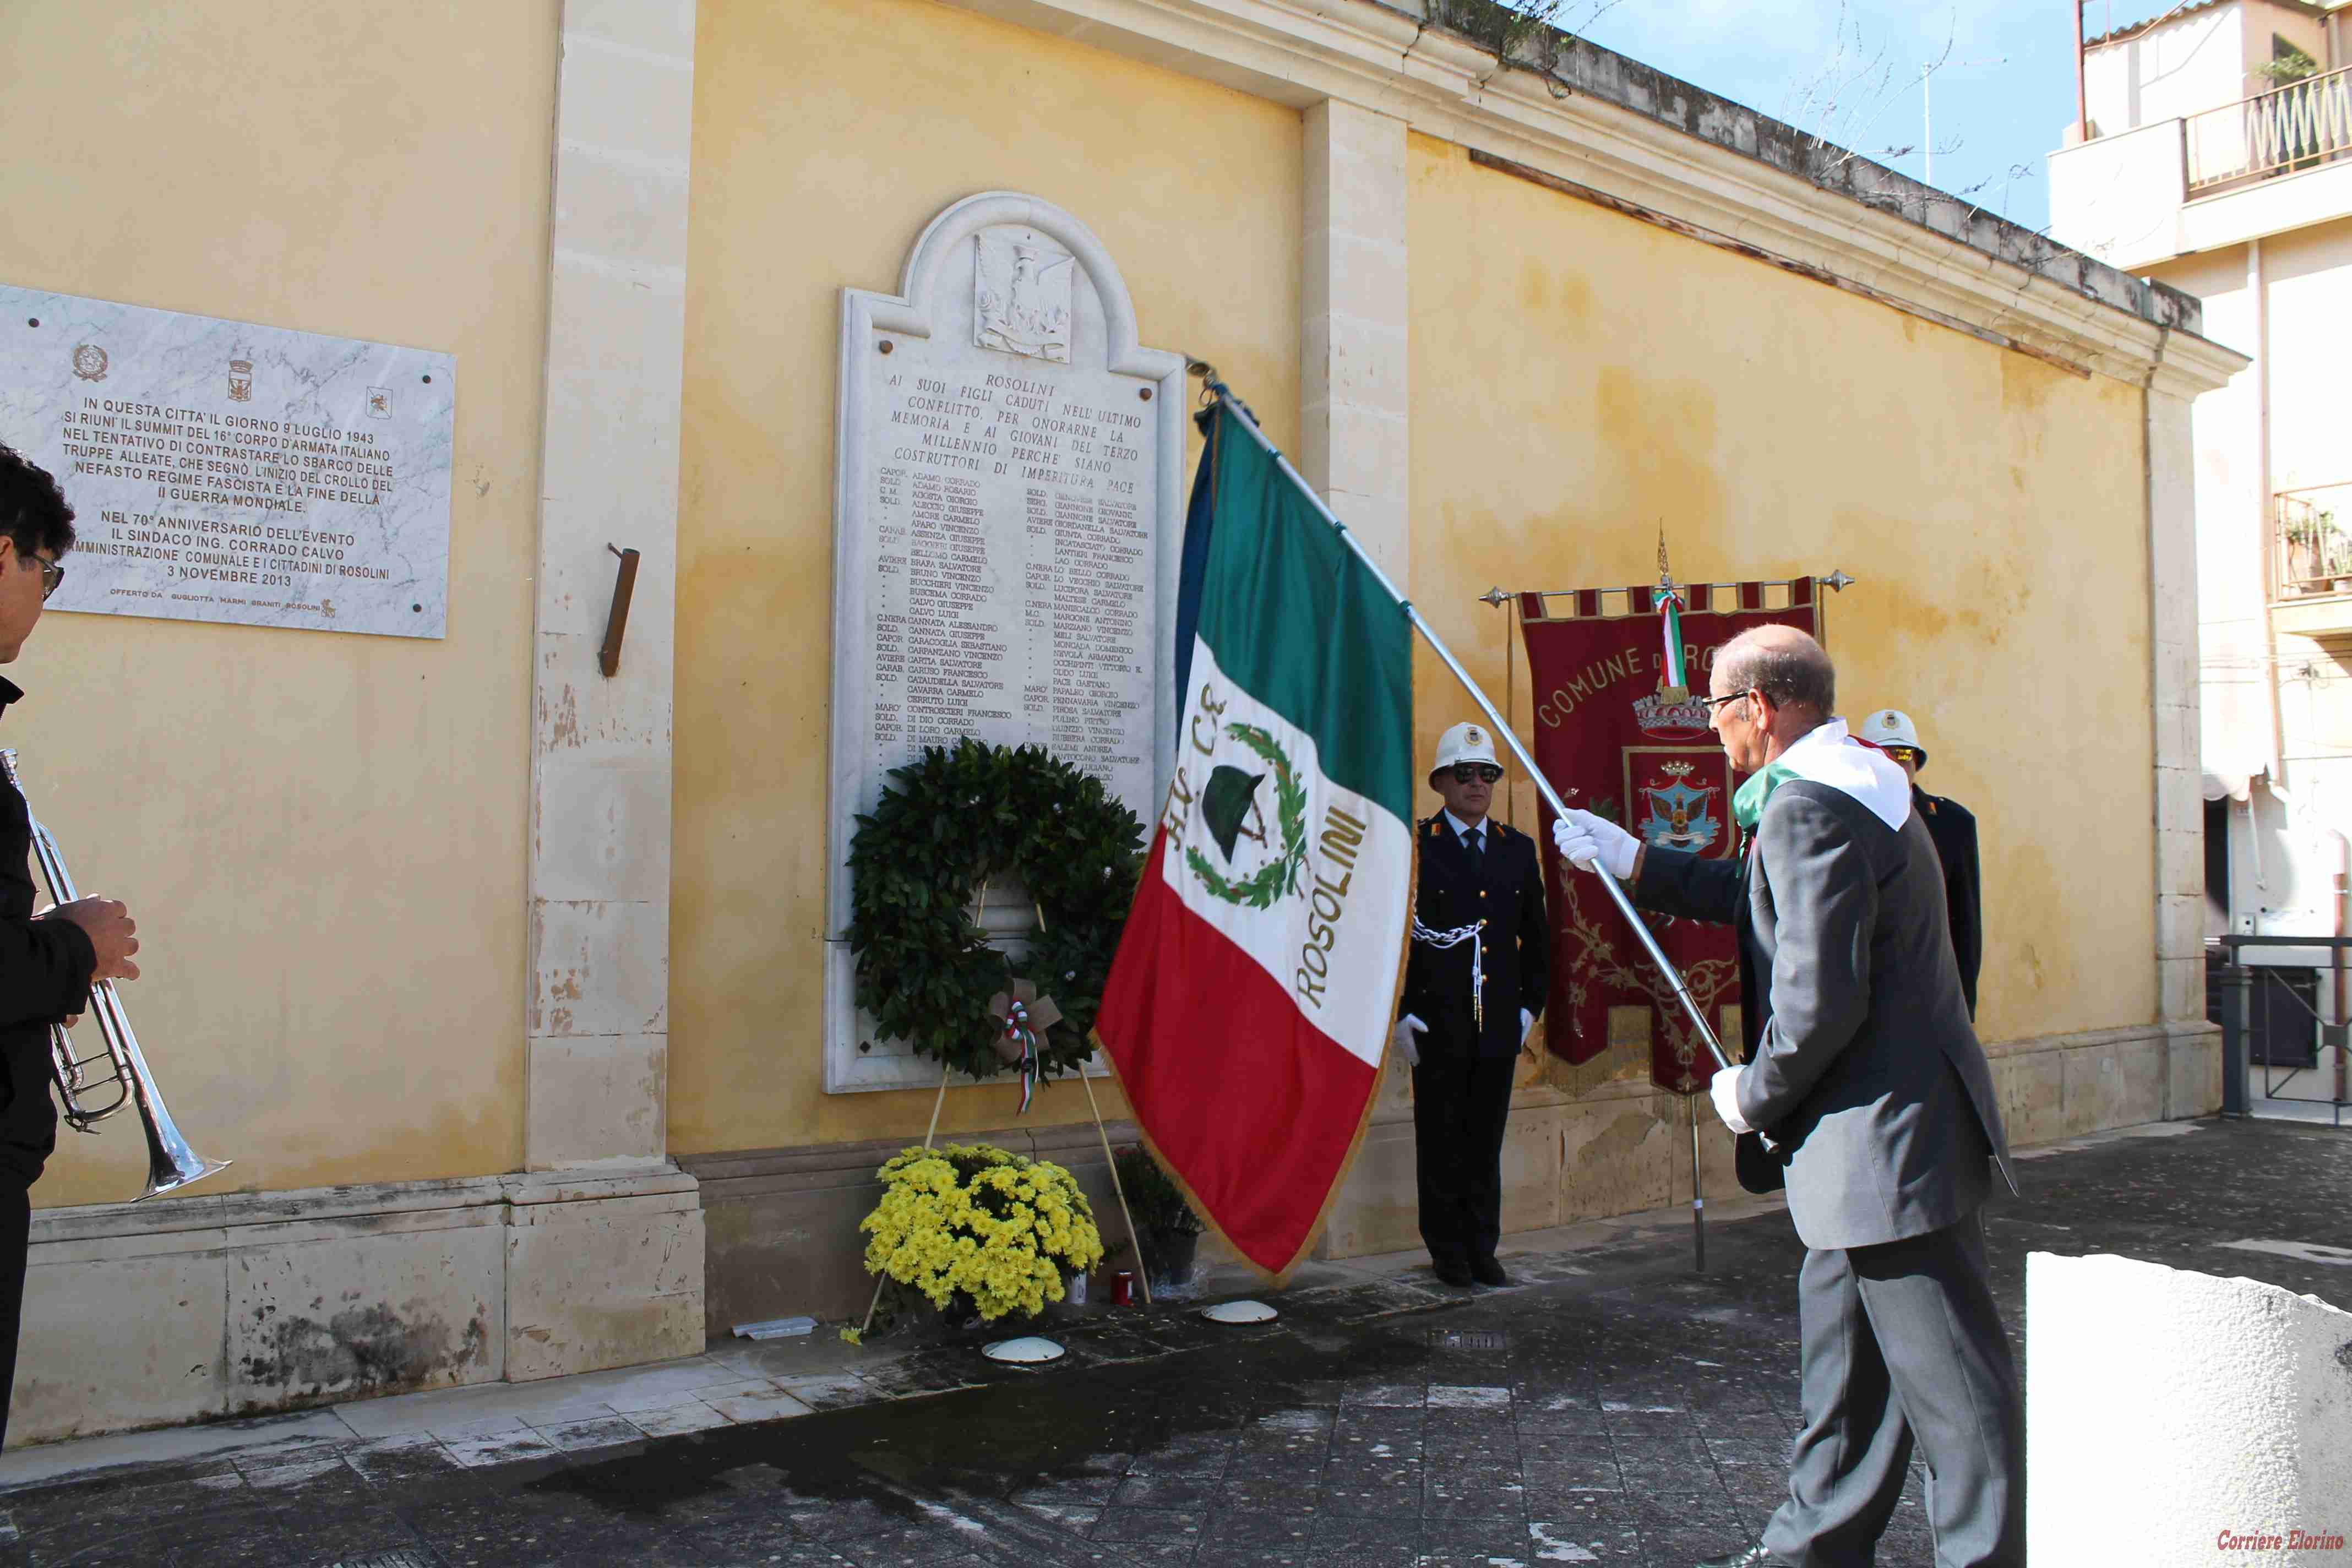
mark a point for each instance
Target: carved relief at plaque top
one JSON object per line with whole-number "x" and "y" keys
{"x": 1022, "y": 288}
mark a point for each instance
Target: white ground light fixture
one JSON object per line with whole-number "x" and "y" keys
{"x": 1026, "y": 1352}
{"x": 1240, "y": 1312}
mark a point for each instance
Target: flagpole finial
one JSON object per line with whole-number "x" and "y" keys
{"x": 1496, "y": 597}
{"x": 1666, "y": 576}
{"x": 1836, "y": 582}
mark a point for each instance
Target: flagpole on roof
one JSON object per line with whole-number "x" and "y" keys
{"x": 1501, "y": 726}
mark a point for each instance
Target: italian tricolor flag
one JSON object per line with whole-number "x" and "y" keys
{"x": 1251, "y": 998}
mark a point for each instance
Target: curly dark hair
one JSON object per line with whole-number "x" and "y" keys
{"x": 34, "y": 513}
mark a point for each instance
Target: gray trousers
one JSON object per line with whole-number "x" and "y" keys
{"x": 1903, "y": 1344}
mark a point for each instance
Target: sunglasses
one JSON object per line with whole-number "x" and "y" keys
{"x": 1484, "y": 772}
{"x": 1903, "y": 753}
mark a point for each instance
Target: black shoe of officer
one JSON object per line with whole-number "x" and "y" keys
{"x": 1450, "y": 1272}
{"x": 1754, "y": 1557}
{"x": 1487, "y": 1271}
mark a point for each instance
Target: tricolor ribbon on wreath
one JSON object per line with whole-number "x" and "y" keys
{"x": 1023, "y": 1015}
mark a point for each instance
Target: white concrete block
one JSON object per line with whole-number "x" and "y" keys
{"x": 364, "y": 1314}
{"x": 660, "y": 27}
{"x": 601, "y": 828}
{"x": 583, "y": 715}
{"x": 107, "y": 1344}
{"x": 596, "y": 1285}
{"x": 602, "y": 969}
{"x": 592, "y": 1098}
{"x": 2175, "y": 1418}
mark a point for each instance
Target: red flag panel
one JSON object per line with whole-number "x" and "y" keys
{"x": 1611, "y": 745}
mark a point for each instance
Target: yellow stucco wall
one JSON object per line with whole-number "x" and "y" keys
{"x": 321, "y": 836}
{"x": 1580, "y": 379}
{"x": 808, "y": 180}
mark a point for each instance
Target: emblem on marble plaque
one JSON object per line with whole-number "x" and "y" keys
{"x": 379, "y": 403}
{"x": 90, "y": 361}
{"x": 1022, "y": 291}
{"x": 240, "y": 381}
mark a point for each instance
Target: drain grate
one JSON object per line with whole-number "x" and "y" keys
{"x": 1469, "y": 1339}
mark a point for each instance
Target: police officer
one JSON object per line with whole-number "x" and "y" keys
{"x": 1954, "y": 829}
{"x": 1474, "y": 982}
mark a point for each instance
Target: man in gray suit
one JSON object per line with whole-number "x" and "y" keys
{"x": 1867, "y": 1085}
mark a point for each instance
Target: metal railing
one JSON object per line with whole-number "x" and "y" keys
{"x": 2236, "y": 980}
{"x": 2297, "y": 126}
{"x": 2311, "y": 540}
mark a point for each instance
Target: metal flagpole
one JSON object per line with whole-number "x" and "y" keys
{"x": 1510, "y": 737}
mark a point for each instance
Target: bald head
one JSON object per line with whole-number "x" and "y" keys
{"x": 1785, "y": 663}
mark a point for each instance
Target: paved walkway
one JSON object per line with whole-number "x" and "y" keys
{"x": 1611, "y": 1406}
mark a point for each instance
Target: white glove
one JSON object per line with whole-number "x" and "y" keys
{"x": 1724, "y": 1089}
{"x": 1405, "y": 1036}
{"x": 1526, "y": 1025}
{"x": 1595, "y": 843}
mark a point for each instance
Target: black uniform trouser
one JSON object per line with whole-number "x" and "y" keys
{"x": 1902, "y": 1342}
{"x": 15, "y": 1237}
{"x": 1460, "y": 1105}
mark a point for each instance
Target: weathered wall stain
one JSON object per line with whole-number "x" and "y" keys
{"x": 365, "y": 1348}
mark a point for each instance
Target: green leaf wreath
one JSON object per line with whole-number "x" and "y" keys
{"x": 949, "y": 822}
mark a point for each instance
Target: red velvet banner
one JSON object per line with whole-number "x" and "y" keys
{"x": 1611, "y": 744}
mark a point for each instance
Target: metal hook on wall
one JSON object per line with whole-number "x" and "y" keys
{"x": 624, "y": 586}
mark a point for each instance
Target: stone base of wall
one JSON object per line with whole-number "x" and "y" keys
{"x": 197, "y": 1308}
{"x": 783, "y": 1222}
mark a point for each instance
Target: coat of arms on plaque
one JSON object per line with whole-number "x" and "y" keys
{"x": 90, "y": 361}
{"x": 240, "y": 381}
{"x": 1021, "y": 288}
{"x": 379, "y": 403}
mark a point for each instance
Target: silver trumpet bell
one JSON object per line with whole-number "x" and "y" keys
{"x": 171, "y": 1164}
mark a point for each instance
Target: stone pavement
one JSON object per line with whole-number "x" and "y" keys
{"x": 1612, "y": 1406}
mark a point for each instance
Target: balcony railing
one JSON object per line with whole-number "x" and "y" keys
{"x": 2298, "y": 126}
{"x": 2312, "y": 534}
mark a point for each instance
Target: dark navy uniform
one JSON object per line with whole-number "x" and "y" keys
{"x": 1954, "y": 828}
{"x": 1462, "y": 1090}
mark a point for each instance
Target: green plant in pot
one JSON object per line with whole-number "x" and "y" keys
{"x": 1168, "y": 1229}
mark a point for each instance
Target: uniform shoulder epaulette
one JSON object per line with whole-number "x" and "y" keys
{"x": 1429, "y": 823}
{"x": 1505, "y": 830}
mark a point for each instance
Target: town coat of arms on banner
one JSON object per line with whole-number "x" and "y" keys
{"x": 1617, "y": 738}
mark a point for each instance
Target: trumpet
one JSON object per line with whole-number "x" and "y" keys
{"x": 171, "y": 1164}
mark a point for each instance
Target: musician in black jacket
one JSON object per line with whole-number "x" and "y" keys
{"x": 1474, "y": 984}
{"x": 1954, "y": 829}
{"x": 48, "y": 960}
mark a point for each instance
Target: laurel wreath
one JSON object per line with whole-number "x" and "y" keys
{"x": 949, "y": 822}
{"x": 1279, "y": 876}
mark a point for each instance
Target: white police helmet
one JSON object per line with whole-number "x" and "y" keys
{"x": 1893, "y": 727}
{"x": 1464, "y": 743}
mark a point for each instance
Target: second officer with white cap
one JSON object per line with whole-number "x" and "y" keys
{"x": 1474, "y": 983}
{"x": 1954, "y": 829}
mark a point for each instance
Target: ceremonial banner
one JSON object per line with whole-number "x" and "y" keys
{"x": 1251, "y": 997}
{"x": 1615, "y": 738}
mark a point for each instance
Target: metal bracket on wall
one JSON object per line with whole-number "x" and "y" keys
{"x": 624, "y": 585}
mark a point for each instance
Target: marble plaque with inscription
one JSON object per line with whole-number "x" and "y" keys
{"x": 221, "y": 471}
{"x": 1007, "y": 525}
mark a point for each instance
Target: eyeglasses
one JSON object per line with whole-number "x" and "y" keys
{"x": 53, "y": 573}
{"x": 1714, "y": 704}
{"x": 1484, "y": 772}
{"x": 1903, "y": 753}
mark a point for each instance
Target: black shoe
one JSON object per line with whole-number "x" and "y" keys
{"x": 1487, "y": 1271}
{"x": 1450, "y": 1272}
{"x": 1754, "y": 1557}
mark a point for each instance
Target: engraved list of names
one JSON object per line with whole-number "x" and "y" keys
{"x": 1007, "y": 524}
{"x": 1014, "y": 593}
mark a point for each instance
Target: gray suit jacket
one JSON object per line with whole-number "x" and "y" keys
{"x": 1867, "y": 1077}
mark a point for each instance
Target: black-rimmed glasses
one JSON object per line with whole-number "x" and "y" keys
{"x": 53, "y": 574}
{"x": 1483, "y": 773}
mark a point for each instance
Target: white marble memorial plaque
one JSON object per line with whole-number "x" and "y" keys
{"x": 221, "y": 471}
{"x": 1007, "y": 525}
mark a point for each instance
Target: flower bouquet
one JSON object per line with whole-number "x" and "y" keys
{"x": 974, "y": 1227}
